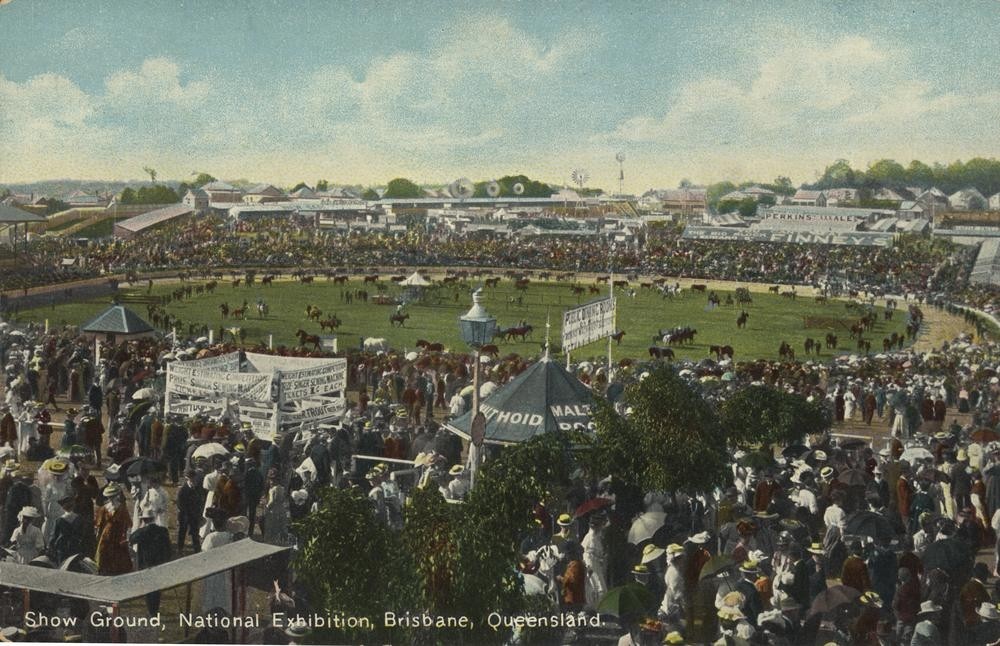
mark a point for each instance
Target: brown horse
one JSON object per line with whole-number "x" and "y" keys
{"x": 239, "y": 313}
{"x": 661, "y": 353}
{"x": 305, "y": 337}
{"x": 577, "y": 290}
{"x": 595, "y": 290}
{"x": 721, "y": 351}
{"x": 618, "y": 336}
{"x": 333, "y": 323}
{"x": 490, "y": 350}
{"x": 398, "y": 318}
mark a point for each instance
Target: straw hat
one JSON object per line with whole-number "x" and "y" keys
{"x": 700, "y": 538}
{"x": 872, "y": 599}
{"x": 730, "y": 613}
{"x": 564, "y": 520}
{"x": 57, "y": 466}
{"x": 750, "y": 567}
{"x": 928, "y": 607}
{"x": 651, "y": 553}
{"x": 816, "y": 548}
{"x": 989, "y": 611}
{"x": 674, "y": 549}
{"x": 673, "y": 637}
{"x": 111, "y": 491}
{"x": 28, "y": 512}
{"x": 456, "y": 470}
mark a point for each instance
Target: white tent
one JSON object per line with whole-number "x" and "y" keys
{"x": 415, "y": 280}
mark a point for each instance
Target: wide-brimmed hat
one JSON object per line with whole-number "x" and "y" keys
{"x": 929, "y": 607}
{"x": 819, "y": 455}
{"x": 750, "y": 567}
{"x": 872, "y": 599}
{"x": 456, "y": 470}
{"x": 640, "y": 569}
{"x": 826, "y": 472}
{"x": 700, "y": 538}
{"x": 238, "y": 524}
{"x": 731, "y": 613}
{"x": 28, "y": 512}
{"x": 673, "y": 637}
{"x": 297, "y": 629}
{"x": 111, "y": 490}
{"x": 564, "y": 520}
{"x": 300, "y": 495}
{"x": 674, "y": 549}
{"x": 651, "y": 553}
{"x": 57, "y": 466}
{"x": 816, "y": 548}
{"x": 765, "y": 515}
{"x": 988, "y": 610}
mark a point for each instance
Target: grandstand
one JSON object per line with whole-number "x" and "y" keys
{"x": 986, "y": 271}
{"x": 143, "y": 223}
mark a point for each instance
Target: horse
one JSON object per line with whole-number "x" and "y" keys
{"x": 262, "y": 309}
{"x": 618, "y": 336}
{"x": 577, "y": 290}
{"x": 398, "y": 318}
{"x": 774, "y": 289}
{"x": 808, "y": 346}
{"x": 313, "y": 313}
{"x": 333, "y": 323}
{"x": 620, "y": 283}
{"x": 339, "y": 280}
{"x": 594, "y": 290}
{"x": 721, "y": 351}
{"x": 266, "y": 280}
{"x": 786, "y": 352}
{"x": 602, "y": 279}
{"x": 523, "y": 331}
{"x": 305, "y": 337}
{"x": 741, "y": 320}
{"x": 373, "y": 278}
{"x": 661, "y": 353}
{"x": 239, "y": 313}
{"x": 427, "y": 346}
{"x": 236, "y": 282}
{"x": 831, "y": 341}
{"x": 491, "y": 282}
{"x": 224, "y": 310}
{"x": 699, "y": 288}
{"x": 490, "y": 350}
{"x": 521, "y": 284}
{"x": 820, "y": 298}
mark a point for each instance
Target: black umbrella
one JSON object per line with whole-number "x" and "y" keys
{"x": 950, "y": 555}
{"x": 139, "y": 410}
{"x": 794, "y": 451}
{"x": 832, "y": 598}
{"x": 852, "y": 478}
{"x": 142, "y": 467}
{"x": 868, "y": 523}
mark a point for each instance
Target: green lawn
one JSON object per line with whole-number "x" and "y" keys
{"x": 772, "y": 320}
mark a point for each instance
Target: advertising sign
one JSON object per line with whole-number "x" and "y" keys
{"x": 588, "y": 323}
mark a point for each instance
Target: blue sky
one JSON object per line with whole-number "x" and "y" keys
{"x": 365, "y": 91}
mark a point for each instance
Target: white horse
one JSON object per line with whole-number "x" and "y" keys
{"x": 376, "y": 344}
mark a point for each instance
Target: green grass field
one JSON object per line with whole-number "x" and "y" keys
{"x": 773, "y": 319}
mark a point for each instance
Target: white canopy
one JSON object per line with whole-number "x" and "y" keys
{"x": 415, "y": 280}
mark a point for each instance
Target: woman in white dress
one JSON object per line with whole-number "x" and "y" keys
{"x": 276, "y": 513}
{"x": 595, "y": 560}
{"x": 27, "y": 537}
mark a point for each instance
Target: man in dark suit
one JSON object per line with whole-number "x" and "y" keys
{"x": 152, "y": 547}
{"x": 189, "y": 506}
{"x": 67, "y": 537}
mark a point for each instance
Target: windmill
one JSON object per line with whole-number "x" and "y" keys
{"x": 620, "y": 158}
{"x": 579, "y": 177}
{"x": 461, "y": 189}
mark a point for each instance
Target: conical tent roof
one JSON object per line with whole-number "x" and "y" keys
{"x": 117, "y": 319}
{"x": 543, "y": 398}
{"x": 415, "y": 280}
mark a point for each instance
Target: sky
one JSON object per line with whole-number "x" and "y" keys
{"x": 361, "y": 92}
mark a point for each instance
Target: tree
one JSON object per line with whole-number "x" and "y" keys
{"x": 298, "y": 186}
{"x": 685, "y": 183}
{"x": 322, "y": 185}
{"x": 783, "y": 186}
{"x": 369, "y": 194}
{"x": 353, "y": 563}
{"x": 202, "y": 179}
{"x": 886, "y": 172}
{"x": 715, "y": 192}
{"x": 671, "y": 441}
{"x": 763, "y": 415}
{"x": 151, "y": 172}
{"x": 919, "y": 174}
{"x": 52, "y": 205}
{"x": 127, "y": 196}
{"x": 839, "y": 174}
{"x": 402, "y": 188}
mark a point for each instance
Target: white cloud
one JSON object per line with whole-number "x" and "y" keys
{"x": 804, "y": 104}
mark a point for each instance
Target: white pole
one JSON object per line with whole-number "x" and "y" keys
{"x": 46, "y": 326}
{"x": 475, "y": 411}
{"x": 211, "y": 336}
{"x": 270, "y": 342}
{"x": 613, "y": 322}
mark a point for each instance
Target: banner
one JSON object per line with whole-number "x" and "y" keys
{"x": 588, "y": 323}
{"x": 222, "y": 363}
{"x": 301, "y": 384}
{"x": 220, "y": 384}
{"x": 751, "y": 234}
{"x": 325, "y": 410}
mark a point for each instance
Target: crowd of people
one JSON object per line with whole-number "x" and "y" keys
{"x": 914, "y": 264}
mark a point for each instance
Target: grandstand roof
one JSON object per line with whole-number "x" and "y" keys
{"x": 153, "y": 218}
{"x": 14, "y": 215}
